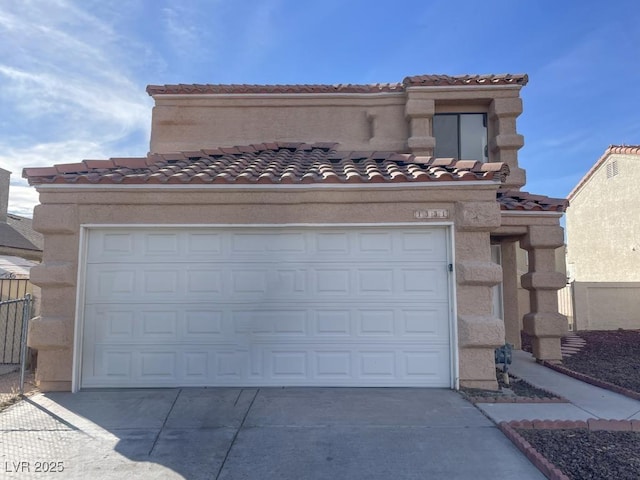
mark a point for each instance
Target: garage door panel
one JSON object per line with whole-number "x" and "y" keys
{"x": 161, "y": 244}
{"x": 270, "y": 322}
{"x": 332, "y": 243}
{"x": 427, "y": 245}
{"x": 203, "y": 323}
{"x": 198, "y": 244}
{"x": 260, "y": 243}
{"x": 158, "y": 364}
{"x": 378, "y": 280}
{"x": 376, "y": 243}
{"x": 271, "y": 306}
{"x": 269, "y": 364}
{"x": 124, "y": 244}
{"x": 332, "y": 322}
{"x": 333, "y": 365}
{"x": 203, "y": 280}
{"x": 133, "y": 323}
{"x": 376, "y": 323}
{"x": 114, "y": 363}
{"x": 425, "y": 322}
{"x": 228, "y": 282}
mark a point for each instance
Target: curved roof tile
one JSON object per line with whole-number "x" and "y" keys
{"x": 411, "y": 81}
{"x": 524, "y": 201}
{"x": 278, "y": 163}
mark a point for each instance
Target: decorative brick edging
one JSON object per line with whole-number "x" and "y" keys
{"x": 591, "y": 380}
{"x": 592, "y": 424}
{"x": 545, "y": 466}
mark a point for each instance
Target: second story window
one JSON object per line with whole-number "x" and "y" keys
{"x": 461, "y": 135}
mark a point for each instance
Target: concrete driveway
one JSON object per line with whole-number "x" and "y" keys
{"x": 279, "y": 433}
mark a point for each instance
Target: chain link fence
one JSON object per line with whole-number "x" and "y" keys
{"x": 14, "y": 322}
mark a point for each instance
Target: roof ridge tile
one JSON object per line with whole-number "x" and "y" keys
{"x": 410, "y": 81}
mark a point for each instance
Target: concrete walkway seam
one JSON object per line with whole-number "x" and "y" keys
{"x": 235, "y": 435}
{"x": 155, "y": 441}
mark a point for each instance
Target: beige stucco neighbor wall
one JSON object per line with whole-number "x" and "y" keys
{"x": 472, "y": 209}
{"x": 603, "y": 233}
{"x": 606, "y": 305}
{"x": 603, "y": 252}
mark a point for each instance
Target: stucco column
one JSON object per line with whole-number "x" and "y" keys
{"x": 544, "y": 322}
{"x": 51, "y": 333}
{"x": 419, "y": 113}
{"x": 512, "y": 318}
{"x": 479, "y": 330}
{"x": 505, "y": 141}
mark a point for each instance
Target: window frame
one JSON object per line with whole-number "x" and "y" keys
{"x": 458, "y": 115}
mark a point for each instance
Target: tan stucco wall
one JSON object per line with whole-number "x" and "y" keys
{"x": 358, "y": 123}
{"x": 606, "y": 306}
{"x": 399, "y": 121}
{"x": 473, "y": 210}
{"x": 603, "y": 234}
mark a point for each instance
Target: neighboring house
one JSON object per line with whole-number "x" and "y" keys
{"x": 20, "y": 247}
{"x": 17, "y": 236}
{"x": 603, "y": 238}
{"x": 299, "y": 235}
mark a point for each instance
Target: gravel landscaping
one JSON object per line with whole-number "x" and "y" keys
{"x": 517, "y": 390}
{"x": 583, "y": 455}
{"x": 612, "y": 357}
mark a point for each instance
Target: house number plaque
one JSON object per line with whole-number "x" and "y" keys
{"x": 431, "y": 213}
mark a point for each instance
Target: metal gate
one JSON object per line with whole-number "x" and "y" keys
{"x": 14, "y": 315}
{"x": 14, "y": 321}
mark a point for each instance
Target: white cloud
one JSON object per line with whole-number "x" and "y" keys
{"x": 23, "y": 198}
{"x": 180, "y": 26}
{"x": 67, "y": 89}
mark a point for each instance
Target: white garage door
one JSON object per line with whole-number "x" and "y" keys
{"x": 266, "y": 306}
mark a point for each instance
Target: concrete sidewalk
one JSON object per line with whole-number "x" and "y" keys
{"x": 285, "y": 433}
{"x": 587, "y": 401}
{"x": 232, "y": 433}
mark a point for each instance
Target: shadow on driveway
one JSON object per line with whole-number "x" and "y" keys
{"x": 232, "y": 433}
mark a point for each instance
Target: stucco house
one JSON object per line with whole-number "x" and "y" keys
{"x": 334, "y": 235}
{"x": 17, "y": 236}
{"x": 603, "y": 238}
{"x": 20, "y": 247}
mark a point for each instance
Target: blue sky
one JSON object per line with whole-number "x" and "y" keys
{"x": 73, "y": 73}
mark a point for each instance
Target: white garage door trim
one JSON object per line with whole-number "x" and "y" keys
{"x": 83, "y": 253}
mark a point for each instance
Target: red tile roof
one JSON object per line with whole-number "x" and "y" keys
{"x": 611, "y": 150}
{"x": 413, "y": 81}
{"x": 183, "y": 89}
{"x": 465, "y": 80}
{"x": 624, "y": 149}
{"x": 517, "y": 200}
{"x": 268, "y": 163}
